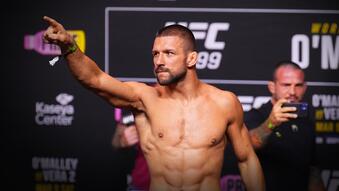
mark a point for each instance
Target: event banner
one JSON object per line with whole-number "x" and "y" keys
{"x": 233, "y": 44}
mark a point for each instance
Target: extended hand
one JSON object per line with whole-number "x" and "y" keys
{"x": 56, "y": 34}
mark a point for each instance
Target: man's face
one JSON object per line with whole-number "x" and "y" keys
{"x": 289, "y": 84}
{"x": 169, "y": 59}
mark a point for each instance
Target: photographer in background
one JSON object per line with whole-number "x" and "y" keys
{"x": 283, "y": 137}
{"x": 126, "y": 137}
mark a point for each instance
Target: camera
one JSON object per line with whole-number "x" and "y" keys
{"x": 302, "y": 108}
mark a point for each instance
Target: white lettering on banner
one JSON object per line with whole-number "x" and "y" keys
{"x": 208, "y": 32}
{"x": 249, "y": 102}
{"x": 331, "y": 179}
{"x": 55, "y": 114}
{"x": 54, "y": 109}
{"x": 331, "y": 113}
{"x": 58, "y": 176}
{"x": 325, "y": 100}
{"x": 319, "y": 140}
{"x": 51, "y": 169}
{"x": 332, "y": 140}
{"x": 300, "y": 50}
{"x": 211, "y": 61}
{"x": 326, "y": 115}
{"x": 42, "y": 119}
{"x": 54, "y": 163}
{"x": 212, "y": 34}
{"x": 54, "y": 175}
{"x": 324, "y": 37}
{"x": 329, "y": 54}
{"x": 246, "y": 102}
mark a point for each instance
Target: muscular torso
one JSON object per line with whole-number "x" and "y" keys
{"x": 183, "y": 142}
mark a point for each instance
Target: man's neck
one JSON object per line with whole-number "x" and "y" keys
{"x": 186, "y": 89}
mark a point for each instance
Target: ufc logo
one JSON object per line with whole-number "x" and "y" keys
{"x": 249, "y": 102}
{"x": 331, "y": 179}
{"x": 207, "y": 32}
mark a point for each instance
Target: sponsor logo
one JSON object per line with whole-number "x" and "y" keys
{"x": 207, "y": 32}
{"x": 35, "y": 42}
{"x": 249, "y": 102}
{"x": 331, "y": 179}
{"x": 55, "y": 114}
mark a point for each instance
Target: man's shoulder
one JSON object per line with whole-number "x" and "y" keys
{"x": 142, "y": 88}
{"x": 224, "y": 98}
{"x": 220, "y": 92}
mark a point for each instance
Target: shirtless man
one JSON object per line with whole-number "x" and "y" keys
{"x": 183, "y": 123}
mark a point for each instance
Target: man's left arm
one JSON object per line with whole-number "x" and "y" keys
{"x": 249, "y": 165}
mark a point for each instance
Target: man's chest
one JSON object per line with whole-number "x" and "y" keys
{"x": 192, "y": 124}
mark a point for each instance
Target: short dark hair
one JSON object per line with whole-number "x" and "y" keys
{"x": 181, "y": 31}
{"x": 283, "y": 64}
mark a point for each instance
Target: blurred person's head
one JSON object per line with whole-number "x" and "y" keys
{"x": 288, "y": 82}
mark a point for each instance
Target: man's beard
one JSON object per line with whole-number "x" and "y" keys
{"x": 172, "y": 78}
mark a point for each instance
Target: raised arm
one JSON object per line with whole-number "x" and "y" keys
{"x": 249, "y": 166}
{"x": 86, "y": 71}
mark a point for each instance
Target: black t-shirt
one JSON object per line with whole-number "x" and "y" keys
{"x": 289, "y": 152}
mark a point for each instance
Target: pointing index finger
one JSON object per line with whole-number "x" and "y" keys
{"x": 51, "y": 21}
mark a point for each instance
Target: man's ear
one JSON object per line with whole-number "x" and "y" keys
{"x": 192, "y": 59}
{"x": 271, "y": 87}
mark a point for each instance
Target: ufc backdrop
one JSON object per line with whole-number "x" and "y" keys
{"x": 58, "y": 134}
